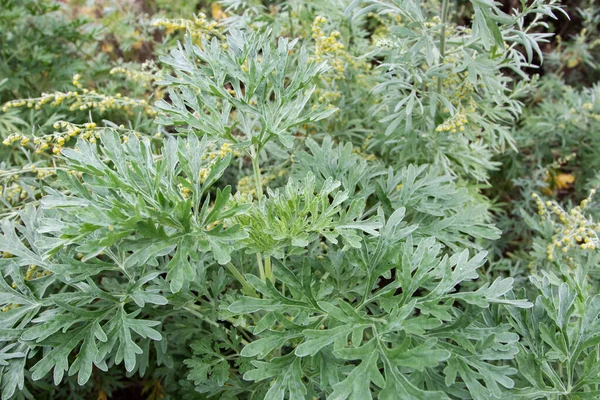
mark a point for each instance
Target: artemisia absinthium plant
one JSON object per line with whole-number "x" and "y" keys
{"x": 240, "y": 258}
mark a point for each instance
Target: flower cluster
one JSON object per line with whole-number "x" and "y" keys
{"x": 459, "y": 88}
{"x": 225, "y": 149}
{"x": 84, "y": 100}
{"x": 589, "y": 109}
{"x": 15, "y": 192}
{"x": 15, "y": 137}
{"x": 146, "y": 74}
{"x": 557, "y": 180}
{"x": 563, "y": 181}
{"x": 454, "y": 123}
{"x": 41, "y": 172}
{"x": 198, "y": 27}
{"x": 246, "y": 186}
{"x": 185, "y": 191}
{"x": 380, "y": 36}
{"x": 362, "y": 152}
{"x": 328, "y": 45}
{"x": 436, "y": 21}
{"x": 64, "y": 132}
{"x": 77, "y": 81}
{"x": 8, "y": 307}
{"x": 222, "y": 152}
{"x": 327, "y": 96}
{"x": 34, "y": 272}
{"x": 57, "y": 140}
{"x": 573, "y": 228}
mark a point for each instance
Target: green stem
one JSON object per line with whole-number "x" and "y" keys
{"x": 202, "y": 317}
{"x": 290, "y": 21}
{"x": 269, "y": 270}
{"x": 249, "y": 290}
{"x": 445, "y": 8}
{"x": 367, "y": 291}
{"x": 560, "y": 371}
{"x": 261, "y": 269}
{"x": 256, "y": 167}
{"x": 259, "y": 193}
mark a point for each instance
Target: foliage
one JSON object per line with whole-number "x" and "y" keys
{"x": 40, "y": 48}
{"x": 330, "y": 200}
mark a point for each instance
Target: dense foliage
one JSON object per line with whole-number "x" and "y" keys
{"x": 347, "y": 199}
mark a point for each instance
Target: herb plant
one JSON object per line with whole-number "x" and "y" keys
{"x": 347, "y": 200}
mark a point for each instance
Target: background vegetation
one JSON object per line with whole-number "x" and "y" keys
{"x": 299, "y": 199}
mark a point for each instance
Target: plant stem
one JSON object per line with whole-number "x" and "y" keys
{"x": 259, "y": 193}
{"x": 202, "y": 317}
{"x": 261, "y": 269}
{"x": 256, "y": 167}
{"x": 290, "y": 21}
{"x": 234, "y": 271}
{"x": 269, "y": 270}
{"x": 367, "y": 291}
{"x": 445, "y": 8}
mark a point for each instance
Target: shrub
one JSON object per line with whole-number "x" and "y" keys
{"x": 311, "y": 208}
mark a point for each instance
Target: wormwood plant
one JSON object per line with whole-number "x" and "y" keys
{"x": 440, "y": 77}
{"x": 284, "y": 238}
{"x": 42, "y": 58}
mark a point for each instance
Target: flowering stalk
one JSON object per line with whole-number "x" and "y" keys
{"x": 445, "y": 7}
